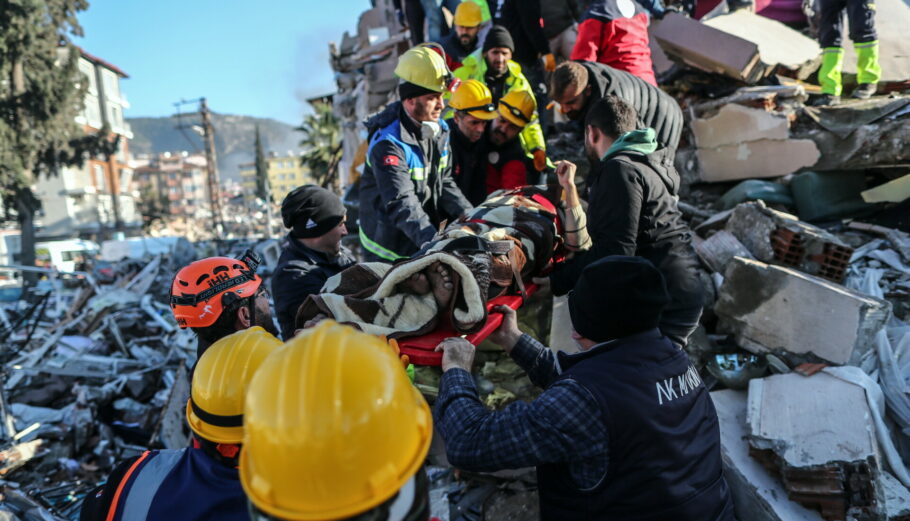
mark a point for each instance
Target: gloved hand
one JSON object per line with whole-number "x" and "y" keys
{"x": 549, "y": 62}
{"x": 540, "y": 159}
{"x": 405, "y": 359}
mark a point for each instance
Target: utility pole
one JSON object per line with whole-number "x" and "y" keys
{"x": 211, "y": 168}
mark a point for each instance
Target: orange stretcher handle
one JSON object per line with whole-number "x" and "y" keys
{"x": 421, "y": 349}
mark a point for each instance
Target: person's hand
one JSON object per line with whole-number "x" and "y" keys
{"x": 549, "y": 62}
{"x": 313, "y": 321}
{"x": 565, "y": 174}
{"x": 507, "y": 334}
{"x": 540, "y": 159}
{"x": 457, "y": 353}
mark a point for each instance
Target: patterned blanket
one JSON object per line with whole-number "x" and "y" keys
{"x": 492, "y": 250}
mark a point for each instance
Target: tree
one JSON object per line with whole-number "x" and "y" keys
{"x": 322, "y": 144}
{"x": 41, "y": 93}
{"x": 263, "y": 188}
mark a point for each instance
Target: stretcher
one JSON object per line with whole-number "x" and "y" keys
{"x": 422, "y": 349}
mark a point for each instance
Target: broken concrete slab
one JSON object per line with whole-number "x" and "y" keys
{"x": 763, "y": 158}
{"x": 800, "y": 317}
{"x": 893, "y": 191}
{"x": 897, "y": 498}
{"x": 781, "y": 238}
{"x": 734, "y": 124}
{"x": 719, "y": 249}
{"x": 816, "y": 432}
{"x": 701, "y": 46}
{"x": 777, "y": 43}
{"x": 741, "y": 45}
{"x": 757, "y": 494}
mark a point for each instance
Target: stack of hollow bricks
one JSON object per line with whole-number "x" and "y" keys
{"x": 810, "y": 253}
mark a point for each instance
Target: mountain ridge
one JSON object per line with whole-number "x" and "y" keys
{"x": 234, "y": 138}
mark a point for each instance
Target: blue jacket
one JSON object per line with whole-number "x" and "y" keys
{"x": 407, "y": 188}
{"x": 170, "y": 485}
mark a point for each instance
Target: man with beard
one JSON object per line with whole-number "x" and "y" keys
{"x": 218, "y": 296}
{"x": 407, "y": 189}
{"x": 507, "y": 165}
{"x": 312, "y": 252}
{"x": 463, "y": 40}
{"x": 632, "y": 211}
{"x": 473, "y": 105}
{"x": 578, "y": 86}
{"x": 493, "y": 65}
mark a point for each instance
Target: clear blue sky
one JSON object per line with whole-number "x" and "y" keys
{"x": 257, "y": 58}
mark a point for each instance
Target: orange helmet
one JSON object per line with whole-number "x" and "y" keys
{"x": 196, "y": 286}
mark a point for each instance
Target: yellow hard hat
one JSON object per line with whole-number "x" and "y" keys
{"x": 215, "y": 408}
{"x": 518, "y": 107}
{"x": 474, "y": 97}
{"x": 468, "y": 14}
{"x": 333, "y": 427}
{"x": 424, "y": 66}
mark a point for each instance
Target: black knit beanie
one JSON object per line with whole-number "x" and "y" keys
{"x": 498, "y": 37}
{"x": 617, "y": 296}
{"x": 310, "y": 211}
{"x": 407, "y": 90}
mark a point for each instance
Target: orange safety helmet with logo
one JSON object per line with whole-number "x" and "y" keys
{"x": 198, "y": 290}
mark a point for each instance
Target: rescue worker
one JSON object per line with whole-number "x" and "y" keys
{"x": 473, "y": 105}
{"x": 334, "y": 430}
{"x": 577, "y": 86}
{"x": 201, "y": 482}
{"x": 560, "y": 25}
{"x": 312, "y": 252}
{"x": 507, "y": 165}
{"x": 463, "y": 40}
{"x": 407, "y": 189}
{"x": 493, "y": 66}
{"x": 615, "y": 33}
{"x": 217, "y": 296}
{"x": 632, "y": 211}
{"x": 624, "y": 430}
{"x": 861, "y": 17}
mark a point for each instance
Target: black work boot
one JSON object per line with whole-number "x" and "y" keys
{"x": 864, "y": 91}
{"x": 825, "y": 100}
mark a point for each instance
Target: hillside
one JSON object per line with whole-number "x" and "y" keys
{"x": 234, "y": 138}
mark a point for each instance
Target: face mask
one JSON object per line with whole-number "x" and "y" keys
{"x": 433, "y": 126}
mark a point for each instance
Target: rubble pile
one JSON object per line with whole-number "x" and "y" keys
{"x": 92, "y": 374}
{"x": 95, "y": 370}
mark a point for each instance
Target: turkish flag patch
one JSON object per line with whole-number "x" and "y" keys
{"x": 390, "y": 161}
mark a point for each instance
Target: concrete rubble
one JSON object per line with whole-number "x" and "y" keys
{"x": 775, "y": 309}
{"x": 815, "y": 433}
{"x": 94, "y": 371}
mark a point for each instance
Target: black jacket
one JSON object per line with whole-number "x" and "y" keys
{"x": 631, "y": 211}
{"x": 558, "y": 15}
{"x": 301, "y": 272}
{"x": 656, "y": 109}
{"x": 664, "y": 440}
{"x": 469, "y": 164}
{"x": 407, "y": 188}
{"x": 522, "y": 19}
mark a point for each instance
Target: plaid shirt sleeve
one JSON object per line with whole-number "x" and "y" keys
{"x": 537, "y": 360}
{"x": 563, "y": 425}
